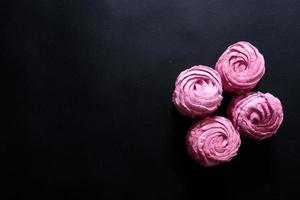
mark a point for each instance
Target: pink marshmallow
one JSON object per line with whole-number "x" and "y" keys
{"x": 198, "y": 91}
{"x": 213, "y": 141}
{"x": 256, "y": 115}
{"x": 241, "y": 67}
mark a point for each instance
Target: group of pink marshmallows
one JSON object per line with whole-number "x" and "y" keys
{"x": 198, "y": 94}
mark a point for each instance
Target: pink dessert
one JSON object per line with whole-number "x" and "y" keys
{"x": 241, "y": 67}
{"x": 213, "y": 141}
{"x": 198, "y": 91}
{"x": 256, "y": 115}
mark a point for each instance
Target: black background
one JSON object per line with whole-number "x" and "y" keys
{"x": 86, "y": 97}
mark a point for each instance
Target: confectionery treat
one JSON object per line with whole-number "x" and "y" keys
{"x": 241, "y": 67}
{"x": 213, "y": 141}
{"x": 256, "y": 115}
{"x": 198, "y": 91}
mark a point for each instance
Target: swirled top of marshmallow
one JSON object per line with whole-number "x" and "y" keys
{"x": 241, "y": 67}
{"x": 256, "y": 115}
{"x": 213, "y": 141}
{"x": 198, "y": 91}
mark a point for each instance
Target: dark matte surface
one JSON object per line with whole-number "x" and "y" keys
{"x": 87, "y": 98}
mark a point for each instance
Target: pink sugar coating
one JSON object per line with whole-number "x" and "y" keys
{"x": 198, "y": 91}
{"x": 241, "y": 66}
{"x": 256, "y": 115}
{"x": 212, "y": 141}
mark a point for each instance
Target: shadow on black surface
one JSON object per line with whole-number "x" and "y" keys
{"x": 254, "y": 166}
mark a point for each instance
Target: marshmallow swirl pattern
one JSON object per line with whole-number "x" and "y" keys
{"x": 241, "y": 67}
{"x": 256, "y": 115}
{"x": 198, "y": 91}
{"x": 213, "y": 141}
